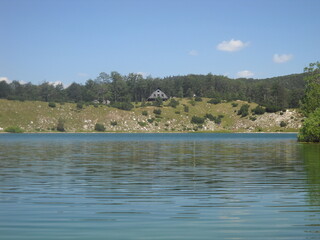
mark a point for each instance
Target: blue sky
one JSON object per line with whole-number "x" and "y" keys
{"x": 74, "y": 40}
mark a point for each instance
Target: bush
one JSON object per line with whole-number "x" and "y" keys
{"x": 197, "y": 120}
{"x": 259, "y": 110}
{"x": 14, "y": 129}
{"x": 186, "y": 108}
{"x": 122, "y": 105}
{"x": 198, "y": 99}
{"x": 60, "y": 125}
{"x": 244, "y": 110}
{"x": 79, "y": 106}
{"x": 214, "y": 101}
{"x": 252, "y": 118}
{"x": 273, "y": 109}
{"x": 99, "y": 127}
{"x": 234, "y": 104}
{"x": 310, "y": 131}
{"x": 209, "y": 116}
{"x": 157, "y": 111}
{"x": 142, "y": 124}
{"x": 150, "y": 120}
{"x": 52, "y": 104}
{"x": 158, "y": 102}
{"x": 283, "y": 124}
{"x": 173, "y": 103}
{"x": 144, "y": 113}
{"x": 114, "y": 123}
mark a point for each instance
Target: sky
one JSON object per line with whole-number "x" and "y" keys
{"x": 75, "y": 40}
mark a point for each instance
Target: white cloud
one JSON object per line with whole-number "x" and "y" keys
{"x": 56, "y": 83}
{"x": 245, "y": 74}
{"x": 5, "y": 79}
{"x": 232, "y": 45}
{"x": 143, "y": 74}
{"x": 282, "y": 58}
{"x": 193, "y": 53}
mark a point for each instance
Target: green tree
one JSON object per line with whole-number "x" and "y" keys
{"x": 310, "y": 131}
{"x": 311, "y": 100}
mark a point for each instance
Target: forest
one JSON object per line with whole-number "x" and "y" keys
{"x": 278, "y": 92}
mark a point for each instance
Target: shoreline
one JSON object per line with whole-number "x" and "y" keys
{"x": 150, "y": 132}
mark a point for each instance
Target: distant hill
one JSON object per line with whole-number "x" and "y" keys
{"x": 188, "y": 116}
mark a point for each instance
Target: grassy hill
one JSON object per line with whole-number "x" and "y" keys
{"x": 34, "y": 116}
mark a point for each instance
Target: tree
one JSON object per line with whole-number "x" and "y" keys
{"x": 311, "y": 100}
{"x": 310, "y": 131}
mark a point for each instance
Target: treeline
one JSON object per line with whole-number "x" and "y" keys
{"x": 279, "y": 92}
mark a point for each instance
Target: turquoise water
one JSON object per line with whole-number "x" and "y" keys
{"x": 158, "y": 186}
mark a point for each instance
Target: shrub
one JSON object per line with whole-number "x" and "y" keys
{"x": 310, "y": 131}
{"x": 186, "y": 108}
{"x": 214, "y": 101}
{"x": 150, "y": 120}
{"x": 142, "y": 124}
{"x": 209, "y": 116}
{"x": 197, "y": 120}
{"x": 158, "y": 102}
{"x": 234, "y": 104}
{"x": 144, "y": 113}
{"x": 177, "y": 112}
{"x": 52, "y": 104}
{"x": 60, "y": 125}
{"x": 157, "y": 111}
{"x": 273, "y": 109}
{"x": 259, "y": 110}
{"x": 79, "y": 106}
{"x": 283, "y": 124}
{"x": 244, "y": 110}
{"x": 217, "y": 120}
{"x": 198, "y": 99}
{"x": 14, "y": 129}
{"x": 252, "y": 118}
{"x": 173, "y": 103}
{"x": 122, "y": 105}
{"x": 99, "y": 127}
{"x": 113, "y": 123}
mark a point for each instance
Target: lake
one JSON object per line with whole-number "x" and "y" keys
{"x": 158, "y": 186}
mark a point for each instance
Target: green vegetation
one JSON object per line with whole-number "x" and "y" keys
{"x": 310, "y": 131}
{"x": 123, "y": 105}
{"x": 52, "y": 104}
{"x": 142, "y": 124}
{"x": 113, "y": 123}
{"x": 99, "y": 127}
{"x": 157, "y": 111}
{"x": 283, "y": 124}
{"x": 173, "y": 103}
{"x": 36, "y": 116}
{"x": 234, "y": 104}
{"x": 259, "y": 110}
{"x": 60, "y": 125}
{"x": 14, "y": 129}
{"x": 244, "y": 110}
{"x": 214, "y": 101}
{"x": 144, "y": 113}
{"x": 197, "y": 120}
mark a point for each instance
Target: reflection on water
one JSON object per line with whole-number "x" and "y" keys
{"x": 165, "y": 186}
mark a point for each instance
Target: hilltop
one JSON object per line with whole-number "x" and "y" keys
{"x": 37, "y": 116}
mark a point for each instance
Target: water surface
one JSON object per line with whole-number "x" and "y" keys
{"x": 158, "y": 186}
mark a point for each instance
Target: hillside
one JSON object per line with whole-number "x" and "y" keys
{"x": 36, "y": 116}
